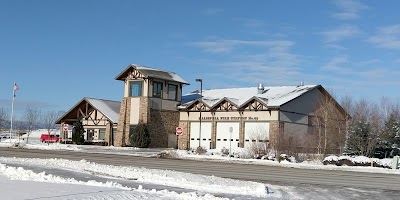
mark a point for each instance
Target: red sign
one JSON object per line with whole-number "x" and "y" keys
{"x": 179, "y": 131}
{"x": 65, "y": 128}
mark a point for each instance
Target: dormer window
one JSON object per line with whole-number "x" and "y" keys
{"x": 135, "y": 88}
{"x": 157, "y": 89}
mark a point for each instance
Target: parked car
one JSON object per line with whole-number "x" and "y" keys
{"x": 49, "y": 138}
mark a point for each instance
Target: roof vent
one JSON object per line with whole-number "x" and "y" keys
{"x": 260, "y": 88}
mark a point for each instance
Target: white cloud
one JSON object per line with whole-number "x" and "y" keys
{"x": 255, "y": 61}
{"x": 336, "y": 65}
{"x": 212, "y": 11}
{"x": 335, "y": 46}
{"x": 387, "y": 37}
{"x": 350, "y": 9}
{"x": 226, "y": 46}
{"x": 340, "y": 33}
{"x": 252, "y": 23}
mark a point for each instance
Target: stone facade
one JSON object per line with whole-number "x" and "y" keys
{"x": 276, "y": 134}
{"x": 122, "y": 136}
{"x": 241, "y": 133}
{"x": 184, "y": 139}
{"x": 144, "y": 110}
{"x": 108, "y": 137}
{"x": 213, "y": 134}
{"x": 162, "y": 125}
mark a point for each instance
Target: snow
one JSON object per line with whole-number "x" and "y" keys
{"x": 108, "y": 107}
{"x": 25, "y": 184}
{"x": 158, "y": 184}
{"x": 211, "y": 155}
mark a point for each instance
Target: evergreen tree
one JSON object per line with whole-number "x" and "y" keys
{"x": 392, "y": 129}
{"x": 359, "y": 141}
{"x": 391, "y": 135}
{"x": 140, "y": 136}
{"x": 77, "y": 132}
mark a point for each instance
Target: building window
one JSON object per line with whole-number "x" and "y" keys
{"x": 157, "y": 89}
{"x": 172, "y": 92}
{"x": 102, "y": 133}
{"x": 135, "y": 89}
{"x": 90, "y": 134}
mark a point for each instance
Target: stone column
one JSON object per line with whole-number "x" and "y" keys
{"x": 276, "y": 134}
{"x": 213, "y": 133}
{"x": 123, "y": 123}
{"x": 107, "y": 137}
{"x": 241, "y": 132}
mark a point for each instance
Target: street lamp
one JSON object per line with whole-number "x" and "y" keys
{"x": 201, "y": 96}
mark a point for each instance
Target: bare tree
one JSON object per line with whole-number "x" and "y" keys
{"x": 330, "y": 123}
{"x": 49, "y": 120}
{"x": 258, "y": 142}
{"x": 348, "y": 105}
{"x": 3, "y": 118}
{"x": 31, "y": 118}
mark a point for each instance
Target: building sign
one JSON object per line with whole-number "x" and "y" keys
{"x": 229, "y": 118}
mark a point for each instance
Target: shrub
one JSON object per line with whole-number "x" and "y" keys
{"x": 167, "y": 154}
{"x": 224, "y": 151}
{"x": 201, "y": 150}
{"x": 285, "y": 157}
{"x": 140, "y": 137}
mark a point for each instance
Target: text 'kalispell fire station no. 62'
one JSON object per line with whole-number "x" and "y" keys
{"x": 229, "y": 118}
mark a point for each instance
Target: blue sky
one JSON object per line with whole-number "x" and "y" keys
{"x": 60, "y": 51}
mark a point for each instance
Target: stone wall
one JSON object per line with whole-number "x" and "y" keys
{"x": 184, "y": 139}
{"x": 122, "y": 135}
{"x": 276, "y": 134}
{"x": 107, "y": 137}
{"x": 144, "y": 110}
{"x": 241, "y": 133}
{"x": 160, "y": 125}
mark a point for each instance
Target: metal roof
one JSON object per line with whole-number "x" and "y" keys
{"x": 149, "y": 72}
{"x": 274, "y": 96}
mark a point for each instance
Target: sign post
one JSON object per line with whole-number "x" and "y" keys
{"x": 65, "y": 133}
{"x": 178, "y": 132}
{"x": 230, "y": 139}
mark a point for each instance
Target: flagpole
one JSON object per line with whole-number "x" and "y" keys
{"x": 12, "y": 111}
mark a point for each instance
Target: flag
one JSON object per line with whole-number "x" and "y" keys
{"x": 15, "y": 88}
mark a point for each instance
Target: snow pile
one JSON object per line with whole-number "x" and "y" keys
{"x": 53, "y": 146}
{"x": 358, "y": 161}
{"x": 208, "y": 184}
{"x": 21, "y": 174}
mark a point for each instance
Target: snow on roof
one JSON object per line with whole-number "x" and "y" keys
{"x": 274, "y": 96}
{"x": 108, "y": 107}
{"x": 149, "y": 72}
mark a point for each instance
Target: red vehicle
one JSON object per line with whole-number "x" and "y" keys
{"x": 49, "y": 138}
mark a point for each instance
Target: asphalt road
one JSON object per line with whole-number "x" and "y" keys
{"x": 258, "y": 173}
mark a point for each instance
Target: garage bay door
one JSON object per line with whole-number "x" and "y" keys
{"x": 225, "y": 138}
{"x": 256, "y": 133}
{"x": 205, "y": 134}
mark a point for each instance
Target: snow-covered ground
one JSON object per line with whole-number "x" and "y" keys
{"x": 65, "y": 179}
{"x": 212, "y": 155}
{"x": 197, "y": 186}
